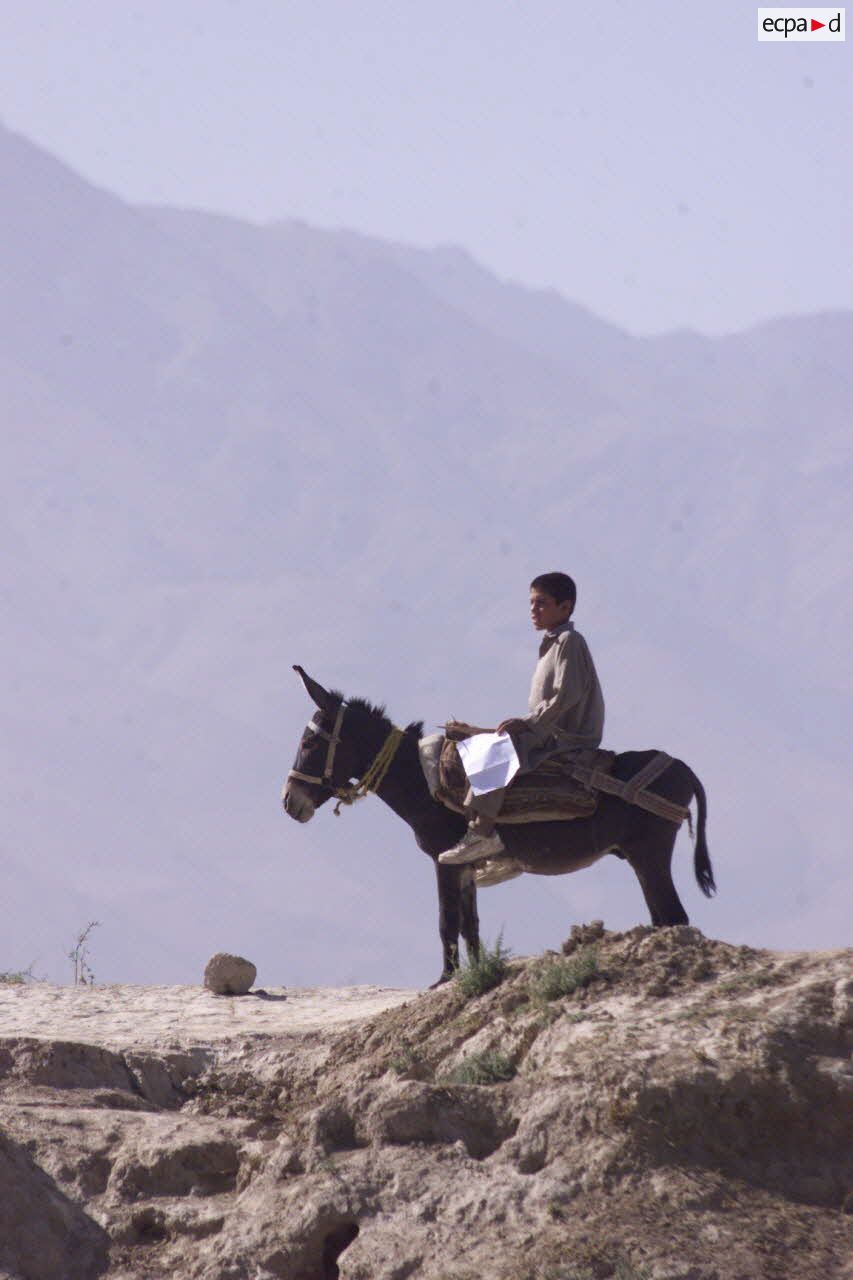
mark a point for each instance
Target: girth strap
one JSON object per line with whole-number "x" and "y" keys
{"x": 634, "y": 790}
{"x": 656, "y": 766}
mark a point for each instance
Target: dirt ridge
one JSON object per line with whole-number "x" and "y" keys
{"x": 684, "y": 1113}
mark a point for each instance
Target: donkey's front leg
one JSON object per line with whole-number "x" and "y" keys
{"x": 470, "y": 917}
{"x": 449, "y": 918}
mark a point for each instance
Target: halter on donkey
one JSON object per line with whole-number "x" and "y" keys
{"x": 373, "y": 776}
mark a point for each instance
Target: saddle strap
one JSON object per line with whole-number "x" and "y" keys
{"x": 647, "y": 774}
{"x": 633, "y": 791}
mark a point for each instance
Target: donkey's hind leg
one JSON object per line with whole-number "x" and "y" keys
{"x": 650, "y": 854}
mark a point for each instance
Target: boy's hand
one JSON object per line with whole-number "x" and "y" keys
{"x": 511, "y": 726}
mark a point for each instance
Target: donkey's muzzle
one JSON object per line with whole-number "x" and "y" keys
{"x": 296, "y": 803}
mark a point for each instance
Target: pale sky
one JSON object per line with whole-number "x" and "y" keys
{"x": 650, "y": 160}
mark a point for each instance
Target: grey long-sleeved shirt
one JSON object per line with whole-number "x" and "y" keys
{"x": 565, "y": 696}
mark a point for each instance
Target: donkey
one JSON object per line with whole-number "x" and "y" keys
{"x": 349, "y": 739}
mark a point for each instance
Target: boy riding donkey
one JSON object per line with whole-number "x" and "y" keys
{"x": 566, "y": 715}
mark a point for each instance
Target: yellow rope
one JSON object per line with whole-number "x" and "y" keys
{"x": 375, "y": 775}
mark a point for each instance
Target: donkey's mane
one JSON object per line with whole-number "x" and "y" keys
{"x": 377, "y": 712}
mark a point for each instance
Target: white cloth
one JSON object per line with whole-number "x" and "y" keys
{"x": 489, "y": 761}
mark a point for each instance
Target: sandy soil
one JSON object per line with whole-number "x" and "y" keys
{"x": 678, "y": 1108}
{"x": 117, "y": 1017}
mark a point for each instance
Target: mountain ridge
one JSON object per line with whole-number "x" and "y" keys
{"x": 197, "y": 501}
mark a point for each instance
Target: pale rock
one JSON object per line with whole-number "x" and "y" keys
{"x": 227, "y": 975}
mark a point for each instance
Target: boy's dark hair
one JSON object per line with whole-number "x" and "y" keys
{"x": 557, "y": 585}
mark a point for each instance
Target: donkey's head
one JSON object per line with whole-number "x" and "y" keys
{"x": 330, "y": 754}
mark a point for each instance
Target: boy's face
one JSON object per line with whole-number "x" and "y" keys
{"x": 545, "y": 611}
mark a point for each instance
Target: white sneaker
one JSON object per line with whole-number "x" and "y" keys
{"x": 471, "y": 848}
{"x": 496, "y": 871}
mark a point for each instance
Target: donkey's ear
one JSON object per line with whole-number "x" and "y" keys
{"x": 315, "y": 691}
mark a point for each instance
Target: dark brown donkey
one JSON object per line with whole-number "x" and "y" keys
{"x": 352, "y": 739}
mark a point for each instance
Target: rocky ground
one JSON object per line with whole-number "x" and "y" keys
{"x": 652, "y": 1105}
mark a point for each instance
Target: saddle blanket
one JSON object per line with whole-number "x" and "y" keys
{"x": 558, "y": 789}
{"x": 546, "y": 794}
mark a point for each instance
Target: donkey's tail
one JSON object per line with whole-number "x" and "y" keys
{"x": 701, "y": 860}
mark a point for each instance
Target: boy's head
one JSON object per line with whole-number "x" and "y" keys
{"x": 552, "y": 599}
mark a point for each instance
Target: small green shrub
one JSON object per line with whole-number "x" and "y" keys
{"x": 562, "y": 975}
{"x": 79, "y": 956}
{"x": 483, "y": 971}
{"x": 565, "y": 1271}
{"x": 627, "y": 1270}
{"x": 406, "y": 1062}
{"x": 17, "y": 977}
{"x": 624, "y": 1270}
{"x": 743, "y": 982}
{"x": 488, "y": 1067}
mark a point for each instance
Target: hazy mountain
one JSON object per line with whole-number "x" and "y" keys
{"x": 229, "y": 447}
